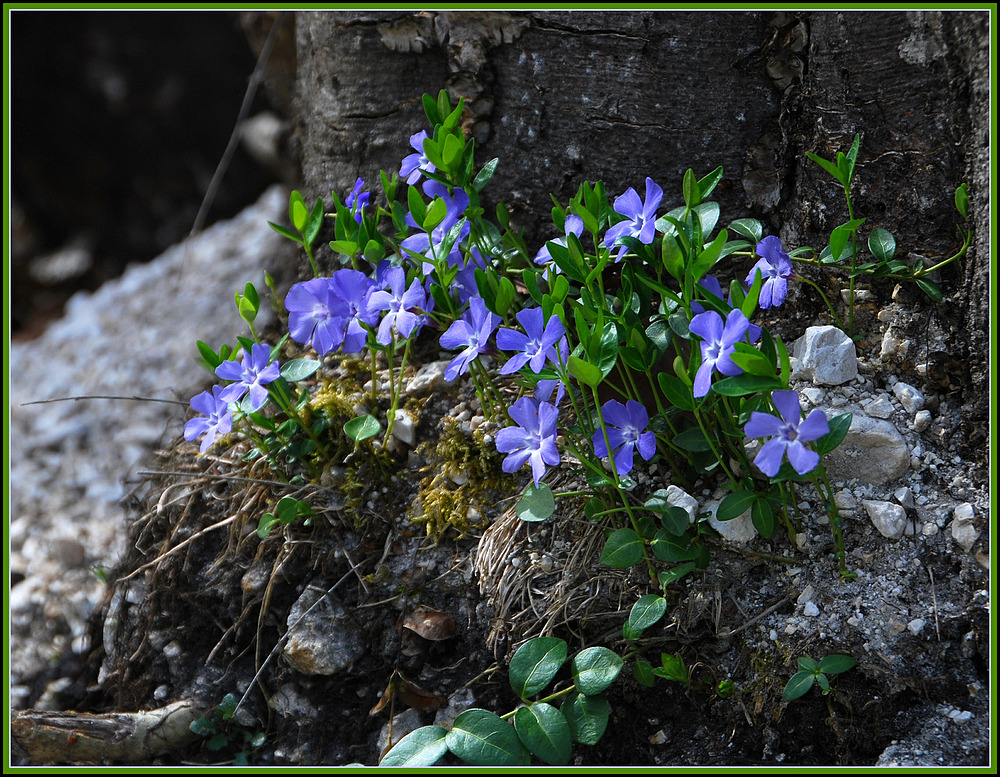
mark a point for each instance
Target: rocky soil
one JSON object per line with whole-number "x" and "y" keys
{"x": 309, "y": 626}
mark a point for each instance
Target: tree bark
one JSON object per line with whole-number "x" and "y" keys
{"x": 561, "y": 97}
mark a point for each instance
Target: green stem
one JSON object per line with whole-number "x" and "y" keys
{"x": 826, "y": 301}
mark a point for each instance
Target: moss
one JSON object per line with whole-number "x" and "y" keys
{"x": 462, "y": 471}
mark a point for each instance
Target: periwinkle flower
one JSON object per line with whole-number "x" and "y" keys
{"x": 215, "y": 419}
{"x": 428, "y": 244}
{"x": 640, "y": 216}
{"x": 353, "y": 288}
{"x": 471, "y": 333}
{"x": 357, "y": 200}
{"x": 400, "y": 302}
{"x": 251, "y": 376}
{"x": 776, "y": 267}
{"x": 718, "y": 342}
{"x": 416, "y": 164}
{"x": 626, "y": 427}
{"x": 532, "y": 440}
{"x": 787, "y": 434}
{"x": 316, "y": 315}
{"x": 573, "y": 226}
{"x": 711, "y": 284}
{"x": 534, "y": 345}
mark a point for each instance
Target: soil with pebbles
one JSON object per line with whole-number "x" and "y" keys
{"x": 308, "y": 625}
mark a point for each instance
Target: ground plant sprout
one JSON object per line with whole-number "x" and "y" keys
{"x": 612, "y": 346}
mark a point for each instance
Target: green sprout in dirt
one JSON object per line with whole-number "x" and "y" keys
{"x": 812, "y": 671}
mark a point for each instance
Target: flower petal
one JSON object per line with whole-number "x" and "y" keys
{"x": 801, "y": 458}
{"x": 814, "y": 427}
{"x": 762, "y": 425}
{"x": 787, "y": 403}
{"x": 768, "y": 458}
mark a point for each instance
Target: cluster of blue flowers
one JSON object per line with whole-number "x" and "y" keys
{"x": 350, "y": 310}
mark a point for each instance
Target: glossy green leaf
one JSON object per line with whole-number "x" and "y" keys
{"x": 423, "y": 747}
{"x": 299, "y": 369}
{"x": 798, "y": 685}
{"x": 285, "y": 232}
{"x": 676, "y": 391}
{"x": 643, "y": 672}
{"x": 595, "y": 668}
{"x": 690, "y": 188}
{"x": 734, "y": 505}
{"x": 840, "y": 236}
{"x": 672, "y": 575}
{"x": 537, "y": 504}
{"x": 836, "y": 664}
{"x": 751, "y": 229}
{"x": 587, "y": 717}
{"x": 710, "y": 181}
{"x": 345, "y": 247}
{"x": 535, "y": 663}
{"x": 962, "y": 200}
{"x": 840, "y": 425}
{"x": 743, "y": 385}
{"x": 882, "y": 244}
{"x": 707, "y": 258}
{"x": 314, "y": 222}
{"x": 672, "y": 667}
{"x": 545, "y": 732}
{"x": 647, "y": 611}
{"x": 708, "y": 215}
{"x": 830, "y": 167}
{"x": 692, "y": 439}
{"x": 585, "y": 372}
{"x": 622, "y": 549}
{"x": 298, "y": 213}
{"x": 362, "y": 427}
{"x": 762, "y": 517}
{"x": 930, "y": 288}
{"x": 667, "y": 547}
{"x": 675, "y": 520}
{"x": 479, "y": 737}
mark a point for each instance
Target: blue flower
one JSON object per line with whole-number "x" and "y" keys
{"x": 471, "y": 333}
{"x": 399, "y": 303}
{"x": 787, "y": 434}
{"x": 418, "y": 163}
{"x": 252, "y": 375}
{"x": 353, "y": 287}
{"x": 625, "y": 425}
{"x": 316, "y": 315}
{"x": 776, "y": 268}
{"x": 711, "y": 284}
{"x": 532, "y": 440}
{"x": 215, "y": 418}
{"x": 574, "y": 226}
{"x": 535, "y": 345}
{"x": 718, "y": 343}
{"x": 640, "y": 218}
{"x": 357, "y": 200}
{"x": 428, "y": 244}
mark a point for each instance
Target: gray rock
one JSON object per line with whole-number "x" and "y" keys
{"x": 873, "y": 451}
{"x": 404, "y": 429}
{"x": 428, "y": 377}
{"x": 826, "y": 356}
{"x": 889, "y": 518}
{"x": 324, "y": 639}
{"x": 921, "y": 420}
{"x": 909, "y": 397}
{"x": 678, "y": 497}
{"x": 963, "y": 531}
{"x": 740, "y": 529}
{"x": 880, "y": 407}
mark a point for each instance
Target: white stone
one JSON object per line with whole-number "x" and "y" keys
{"x": 678, "y": 497}
{"x": 813, "y": 394}
{"x": 963, "y": 717}
{"x": 921, "y": 420}
{"x": 740, "y": 529}
{"x": 888, "y": 518}
{"x": 810, "y": 609}
{"x": 880, "y": 407}
{"x": 893, "y": 347}
{"x": 904, "y": 496}
{"x": 916, "y": 625}
{"x": 826, "y": 356}
{"x": 428, "y": 377}
{"x": 963, "y": 531}
{"x": 873, "y": 451}
{"x": 404, "y": 428}
{"x": 909, "y": 397}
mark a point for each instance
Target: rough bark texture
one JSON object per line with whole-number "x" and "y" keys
{"x": 561, "y": 97}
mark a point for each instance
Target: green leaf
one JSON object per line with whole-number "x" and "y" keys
{"x": 423, "y": 747}
{"x": 692, "y": 439}
{"x": 798, "y": 685}
{"x": 585, "y": 372}
{"x": 416, "y": 204}
{"x": 840, "y": 236}
{"x": 676, "y": 391}
{"x": 643, "y": 672}
{"x": 211, "y": 357}
{"x": 435, "y": 214}
{"x": 266, "y": 523}
{"x": 287, "y": 509}
{"x": 217, "y": 742}
{"x": 692, "y": 192}
{"x": 622, "y": 549}
{"x": 299, "y": 369}
{"x": 930, "y": 288}
{"x": 751, "y": 229}
{"x": 485, "y": 175}
{"x": 743, "y": 385}
{"x": 752, "y": 361}
{"x": 314, "y": 222}
{"x": 708, "y": 215}
{"x": 673, "y": 256}
{"x": 298, "y": 213}
{"x": 762, "y": 517}
{"x": 587, "y": 717}
{"x": 734, "y": 505}
{"x": 285, "y": 232}
{"x": 431, "y": 109}
{"x": 537, "y": 504}
{"x": 836, "y": 664}
{"x": 807, "y": 664}
{"x": 708, "y": 257}
{"x": 535, "y": 663}
{"x": 851, "y": 157}
{"x": 839, "y": 426}
{"x": 202, "y": 727}
{"x": 675, "y": 520}
{"x": 545, "y": 732}
{"x": 607, "y": 353}
{"x": 672, "y": 668}
{"x": 362, "y": 427}
{"x": 227, "y": 707}
{"x": 451, "y": 154}
{"x": 593, "y": 508}
{"x": 666, "y": 547}
{"x": 962, "y": 200}
{"x": 709, "y": 182}
{"x": 647, "y": 611}
{"x": 595, "y": 668}
{"x": 479, "y": 737}
{"x": 830, "y": 167}
{"x": 671, "y": 576}
{"x": 882, "y": 244}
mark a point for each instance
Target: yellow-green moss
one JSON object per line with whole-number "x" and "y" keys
{"x": 443, "y": 503}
